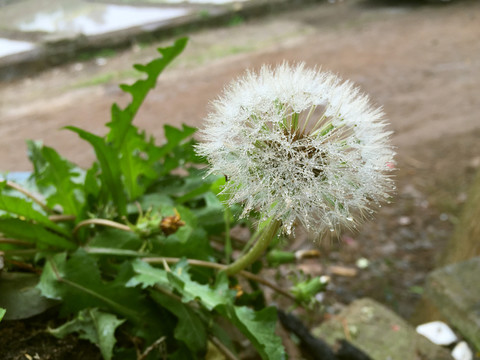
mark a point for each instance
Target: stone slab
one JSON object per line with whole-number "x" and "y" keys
{"x": 380, "y": 333}
{"x": 455, "y": 290}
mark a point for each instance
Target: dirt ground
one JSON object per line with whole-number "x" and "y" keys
{"x": 421, "y": 63}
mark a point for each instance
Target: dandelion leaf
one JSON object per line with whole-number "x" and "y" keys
{"x": 111, "y": 175}
{"x": 122, "y": 119}
{"x": 259, "y": 328}
{"x": 27, "y": 210}
{"x": 94, "y": 325}
{"x": 147, "y": 275}
{"x": 58, "y": 179}
{"x": 190, "y": 329}
{"x": 209, "y": 297}
{"x": 35, "y": 233}
{"x": 136, "y": 155}
{"x": 77, "y": 281}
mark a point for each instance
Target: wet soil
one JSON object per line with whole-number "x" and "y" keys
{"x": 422, "y": 63}
{"x": 28, "y": 339}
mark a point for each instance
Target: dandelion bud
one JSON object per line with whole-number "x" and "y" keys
{"x": 170, "y": 224}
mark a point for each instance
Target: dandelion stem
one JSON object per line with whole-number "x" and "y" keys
{"x": 27, "y": 194}
{"x": 103, "y": 222}
{"x": 257, "y": 250}
{"x": 228, "y": 240}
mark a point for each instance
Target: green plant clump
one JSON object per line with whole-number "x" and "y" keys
{"x": 125, "y": 247}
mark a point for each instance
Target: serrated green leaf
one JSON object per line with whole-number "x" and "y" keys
{"x": 2, "y": 313}
{"x": 175, "y": 137}
{"x": 209, "y": 297}
{"x": 136, "y": 163}
{"x": 121, "y": 119}
{"x": 176, "y": 152}
{"x": 111, "y": 175}
{"x": 190, "y": 329}
{"x": 259, "y": 328}
{"x": 78, "y": 283}
{"x": 147, "y": 275}
{"x": 94, "y": 325}
{"x": 26, "y": 209}
{"x": 49, "y": 284}
{"x": 34, "y": 233}
{"x": 92, "y": 184}
{"x": 58, "y": 179}
{"x": 179, "y": 279}
{"x": 136, "y": 155}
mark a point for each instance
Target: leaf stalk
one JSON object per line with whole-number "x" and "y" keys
{"x": 264, "y": 240}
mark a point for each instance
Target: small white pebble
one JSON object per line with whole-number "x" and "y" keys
{"x": 362, "y": 263}
{"x": 461, "y": 351}
{"x": 437, "y": 332}
{"x": 324, "y": 279}
{"x": 404, "y": 220}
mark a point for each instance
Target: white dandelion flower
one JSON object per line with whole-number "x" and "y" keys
{"x": 299, "y": 145}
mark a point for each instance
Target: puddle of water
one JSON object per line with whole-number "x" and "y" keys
{"x": 10, "y": 47}
{"x": 94, "y": 19}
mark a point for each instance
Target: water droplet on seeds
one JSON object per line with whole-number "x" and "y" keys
{"x": 349, "y": 218}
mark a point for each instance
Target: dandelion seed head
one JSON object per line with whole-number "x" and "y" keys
{"x": 300, "y": 145}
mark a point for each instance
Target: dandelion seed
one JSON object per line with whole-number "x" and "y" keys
{"x": 300, "y": 145}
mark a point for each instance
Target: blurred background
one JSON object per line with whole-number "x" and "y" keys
{"x": 61, "y": 63}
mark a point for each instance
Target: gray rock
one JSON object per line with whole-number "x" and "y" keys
{"x": 380, "y": 333}
{"x": 455, "y": 290}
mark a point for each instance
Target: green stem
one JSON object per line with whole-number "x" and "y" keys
{"x": 266, "y": 236}
{"x": 228, "y": 240}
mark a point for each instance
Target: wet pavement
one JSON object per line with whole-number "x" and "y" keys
{"x": 75, "y": 18}
{"x": 35, "y": 34}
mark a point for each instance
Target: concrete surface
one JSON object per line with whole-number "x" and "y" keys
{"x": 380, "y": 333}
{"x": 36, "y": 34}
